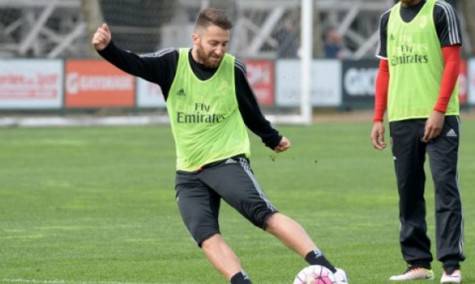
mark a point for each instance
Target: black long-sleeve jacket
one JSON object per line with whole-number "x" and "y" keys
{"x": 160, "y": 68}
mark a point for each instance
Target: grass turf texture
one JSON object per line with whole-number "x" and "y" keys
{"x": 95, "y": 205}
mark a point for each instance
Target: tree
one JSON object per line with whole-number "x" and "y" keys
{"x": 93, "y": 17}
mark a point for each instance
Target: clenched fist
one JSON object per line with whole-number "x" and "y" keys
{"x": 283, "y": 145}
{"x": 102, "y": 37}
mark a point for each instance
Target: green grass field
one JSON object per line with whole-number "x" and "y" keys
{"x": 96, "y": 205}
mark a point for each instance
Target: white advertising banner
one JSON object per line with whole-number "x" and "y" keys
{"x": 326, "y": 83}
{"x": 471, "y": 81}
{"x": 149, "y": 95}
{"x": 31, "y": 84}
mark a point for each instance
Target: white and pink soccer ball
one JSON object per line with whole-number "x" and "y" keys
{"x": 315, "y": 274}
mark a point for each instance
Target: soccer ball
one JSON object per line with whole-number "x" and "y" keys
{"x": 315, "y": 274}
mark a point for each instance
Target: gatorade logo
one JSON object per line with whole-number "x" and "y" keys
{"x": 76, "y": 83}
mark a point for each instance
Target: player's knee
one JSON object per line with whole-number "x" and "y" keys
{"x": 201, "y": 231}
{"x": 200, "y": 235}
{"x": 260, "y": 218}
{"x": 445, "y": 180}
{"x": 208, "y": 241}
{"x": 273, "y": 221}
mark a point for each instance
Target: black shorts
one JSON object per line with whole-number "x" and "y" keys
{"x": 198, "y": 195}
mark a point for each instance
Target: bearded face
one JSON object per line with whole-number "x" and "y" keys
{"x": 209, "y": 45}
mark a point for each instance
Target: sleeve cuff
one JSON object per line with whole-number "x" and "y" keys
{"x": 107, "y": 49}
{"x": 440, "y": 109}
{"x": 273, "y": 141}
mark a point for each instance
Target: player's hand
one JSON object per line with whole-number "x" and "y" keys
{"x": 102, "y": 37}
{"x": 283, "y": 145}
{"x": 434, "y": 125}
{"x": 377, "y": 135}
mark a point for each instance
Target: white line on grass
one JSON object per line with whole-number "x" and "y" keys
{"x": 56, "y": 281}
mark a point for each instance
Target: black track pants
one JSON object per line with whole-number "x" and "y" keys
{"x": 409, "y": 155}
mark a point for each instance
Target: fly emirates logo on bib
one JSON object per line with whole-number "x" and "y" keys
{"x": 201, "y": 114}
{"x": 409, "y": 52}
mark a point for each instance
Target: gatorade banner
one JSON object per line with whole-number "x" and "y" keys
{"x": 261, "y": 77}
{"x": 31, "y": 84}
{"x": 97, "y": 84}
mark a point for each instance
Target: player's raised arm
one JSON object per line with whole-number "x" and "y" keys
{"x": 158, "y": 67}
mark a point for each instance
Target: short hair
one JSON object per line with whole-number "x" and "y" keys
{"x": 213, "y": 16}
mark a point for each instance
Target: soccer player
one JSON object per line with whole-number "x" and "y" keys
{"x": 210, "y": 104}
{"x": 417, "y": 82}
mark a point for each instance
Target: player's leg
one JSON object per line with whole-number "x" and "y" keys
{"x": 409, "y": 155}
{"x": 290, "y": 233}
{"x": 294, "y": 236}
{"x": 224, "y": 259}
{"x": 199, "y": 208}
{"x": 443, "y": 155}
{"x": 234, "y": 181}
